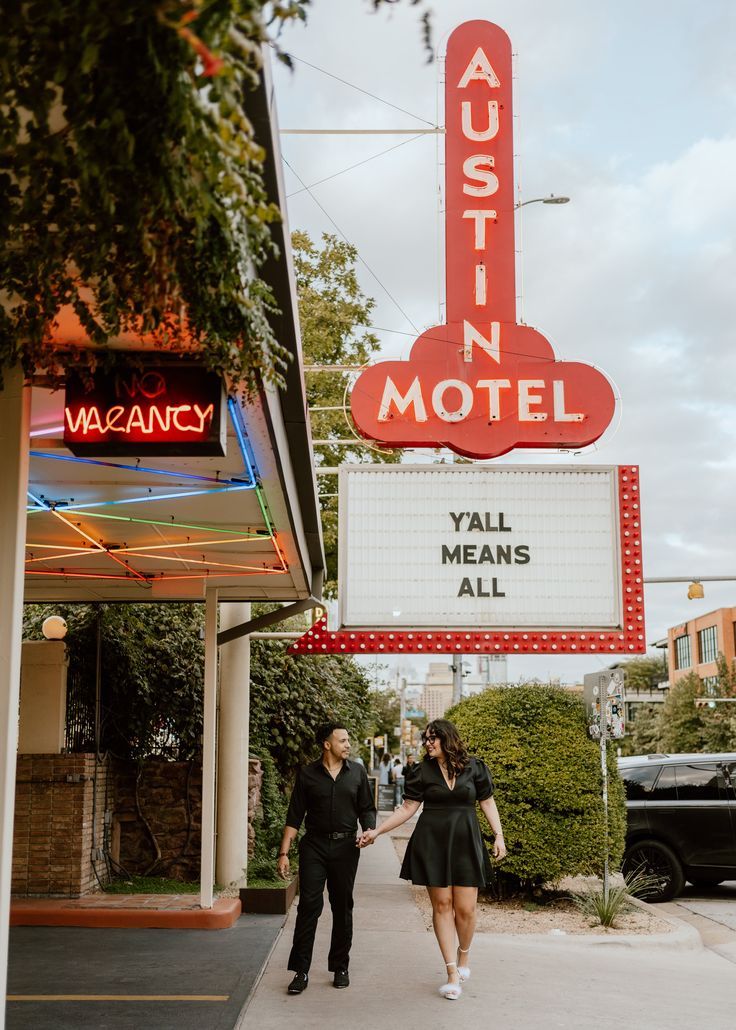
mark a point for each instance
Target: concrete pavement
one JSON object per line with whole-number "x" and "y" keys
{"x": 520, "y": 982}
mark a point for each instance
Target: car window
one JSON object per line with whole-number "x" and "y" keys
{"x": 665, "y": 788}
{"x": 697, "y": 783}
{"x": 638, "y": 781}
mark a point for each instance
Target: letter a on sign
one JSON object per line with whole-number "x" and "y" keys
{"x": 487, "y": 356}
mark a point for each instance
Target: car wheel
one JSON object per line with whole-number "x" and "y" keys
{"x": 656, "y": 860}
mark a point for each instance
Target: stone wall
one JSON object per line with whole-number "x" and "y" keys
{"x": 169, "y": 806}
{"x": 255, "y": 780}
{"x": 53, "y": 842}
{"x": 53, "y": 847}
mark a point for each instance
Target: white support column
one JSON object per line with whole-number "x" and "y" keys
{"x": 209, "y": 749}
{"x": 15, "y": 409}
{"x": 232, "y": 750}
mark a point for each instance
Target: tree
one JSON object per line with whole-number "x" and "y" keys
{"x": 646, "y": 733}
{"x": 152, "y": 668}
{"x": 292, "y": 694}
{"x": 131, "y": 184}
{"x": 547, "y": 776}
{"x": 644, "y": 673}
{"x": 683, "y": 727}
{"x": 335, "y": 316}
{"x": 385, "y": 716}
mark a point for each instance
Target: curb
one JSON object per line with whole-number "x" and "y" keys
{"x": 224, "y": 914}
{"x": 683, "y": 937}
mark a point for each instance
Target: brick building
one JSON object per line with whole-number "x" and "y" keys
{"x": 696, "y": 644}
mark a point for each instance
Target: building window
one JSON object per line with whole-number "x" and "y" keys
{"x": 707, "y": 644}
{"x": 683, "y": 656}
{"x": 710, "y": 684}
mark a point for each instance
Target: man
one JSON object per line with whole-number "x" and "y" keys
{"x": 333, "y": 793}
{"x": 410, "y": 763}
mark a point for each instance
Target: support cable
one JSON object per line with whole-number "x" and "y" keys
{"x": 361, "y": 259}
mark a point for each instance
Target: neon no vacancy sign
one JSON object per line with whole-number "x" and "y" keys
{"x": 162, "y": 410}
{"x": 481, "y": 384}
{"x": 507, "y": 559}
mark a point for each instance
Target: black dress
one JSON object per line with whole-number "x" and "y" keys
{"x": 446, "y": 848}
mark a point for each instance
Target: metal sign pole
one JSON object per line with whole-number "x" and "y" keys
{"x": 604, "y": 775}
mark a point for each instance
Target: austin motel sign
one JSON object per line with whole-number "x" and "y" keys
{"x": 481, "y": 384}
{"x": 484, "y": 559}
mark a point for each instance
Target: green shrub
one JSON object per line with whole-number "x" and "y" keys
{"x": 268, "y": 824}
{"x": 547, "y": 777}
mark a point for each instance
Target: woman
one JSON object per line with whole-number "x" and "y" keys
{"x": 446, "y": 853}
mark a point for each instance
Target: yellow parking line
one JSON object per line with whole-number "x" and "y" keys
{"x": 118, "y": 997}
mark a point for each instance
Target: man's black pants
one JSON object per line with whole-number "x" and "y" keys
{"x": 334, "y": 862}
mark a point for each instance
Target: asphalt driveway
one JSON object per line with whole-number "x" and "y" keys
{"x": 68, "y": 977}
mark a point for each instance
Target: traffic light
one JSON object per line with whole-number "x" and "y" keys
{"x": 406, "y": 732}
{"x": 703, "y": 702}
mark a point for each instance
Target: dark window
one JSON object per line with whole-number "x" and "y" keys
{"x": 683, "y": 656}
{"x": 665, "y": 790}
{"x": 638, "y": 781}
{"x": 707, "y": 644}
{"x": 697, "y": 783}
{"x": 710, "y": 684}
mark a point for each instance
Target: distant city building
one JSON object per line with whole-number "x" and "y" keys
{"x": 437, "y": 693}
{"x": 696, "y": 644}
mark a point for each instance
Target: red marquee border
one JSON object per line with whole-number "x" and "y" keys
{"x": 630, "y": 640}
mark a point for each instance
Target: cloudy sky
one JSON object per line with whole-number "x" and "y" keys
{"x": 630, "y": 110}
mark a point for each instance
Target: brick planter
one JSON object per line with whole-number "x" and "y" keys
{"x": 269, "y": 900}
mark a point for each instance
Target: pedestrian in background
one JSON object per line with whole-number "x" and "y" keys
{"x": 446, "y": 853}
{"x": 384, "y": 770}
{"x": 333, "y": 793}
{"x": 410, "y": 763}
{"x": 398, "y": 781}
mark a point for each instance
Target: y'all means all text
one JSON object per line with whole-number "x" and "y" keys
{"x": 482, "y": 554}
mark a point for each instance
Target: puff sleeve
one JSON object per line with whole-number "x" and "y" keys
{"x": 413, "y": 784}
{"x": 482, "y": 780}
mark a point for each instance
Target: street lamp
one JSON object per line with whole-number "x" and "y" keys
{"x": 551, "y": 199}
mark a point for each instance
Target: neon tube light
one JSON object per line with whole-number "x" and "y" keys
{"x": 160, "y": 522}
{"x": 130, "y": 468}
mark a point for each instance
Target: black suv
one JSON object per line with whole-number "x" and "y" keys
{"x": 681, "y": 820}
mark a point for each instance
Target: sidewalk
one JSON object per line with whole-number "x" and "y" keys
{"x": 517, "y": 982}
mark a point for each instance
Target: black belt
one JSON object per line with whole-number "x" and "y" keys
{"x": 333, "y": 836}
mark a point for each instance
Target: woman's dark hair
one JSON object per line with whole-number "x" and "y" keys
{"x": 386, "y": 758}
{"x": 456, "y": 754}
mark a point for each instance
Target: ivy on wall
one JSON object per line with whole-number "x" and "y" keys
{"x": 130, "y": 184}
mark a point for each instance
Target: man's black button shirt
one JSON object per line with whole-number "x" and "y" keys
{"x": 332, "y": 806}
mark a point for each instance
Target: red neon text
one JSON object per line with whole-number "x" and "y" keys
{"x": 173, "y": 418}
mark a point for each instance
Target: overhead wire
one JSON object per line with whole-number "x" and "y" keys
{"x": 360, "y": 89}
{"x": 360, "y": 258}
{"x": 365, "y": 161}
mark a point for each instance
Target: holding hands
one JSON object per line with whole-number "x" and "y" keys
{"x": 366, "y": 838}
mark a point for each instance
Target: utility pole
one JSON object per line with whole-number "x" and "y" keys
{"x": 457, "y": 679}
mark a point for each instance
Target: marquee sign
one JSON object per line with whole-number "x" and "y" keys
{"x": 481, "y": 384}
{"x": 161, "y": 410}
{"x": 480, "y": 559}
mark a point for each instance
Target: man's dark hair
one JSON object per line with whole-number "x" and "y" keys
{"x": 326, "y": 730}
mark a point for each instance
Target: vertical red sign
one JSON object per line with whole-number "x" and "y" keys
{"x": 481, "y": 384}
{"x": 479, "y": 179}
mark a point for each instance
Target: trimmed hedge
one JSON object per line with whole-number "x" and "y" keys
{"x": 547, "y": 776}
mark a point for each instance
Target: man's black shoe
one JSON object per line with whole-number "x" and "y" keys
{"x": 298, "y": 984}
{"x": 341, "y": 978}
